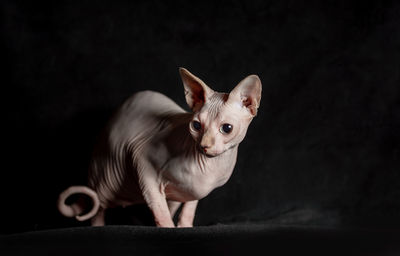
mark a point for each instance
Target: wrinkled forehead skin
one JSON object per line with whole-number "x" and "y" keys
{"x": 218, "y": 110}
{"x": 217, "y": 105}
{"x": 214, "y": 104}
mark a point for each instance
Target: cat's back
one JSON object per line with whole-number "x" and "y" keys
{"x": 150, "y": 103}
{"x": 141, "y": 113}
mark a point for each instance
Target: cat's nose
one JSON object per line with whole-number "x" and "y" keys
{"x": 207, "y": 141}
{"x": 204, "y": 148}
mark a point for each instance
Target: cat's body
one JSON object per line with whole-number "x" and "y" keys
{"x": 154, "y": 152}
{"x": 161, "y": 137}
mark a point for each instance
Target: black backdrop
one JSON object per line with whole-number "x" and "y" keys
{"x": 324, "y": 149}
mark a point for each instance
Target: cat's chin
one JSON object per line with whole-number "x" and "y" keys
{"x": 210, "y": 156}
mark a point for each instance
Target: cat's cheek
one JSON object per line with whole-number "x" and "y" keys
{"x": 231, "y": 138}
{"x": 220, "y": 149}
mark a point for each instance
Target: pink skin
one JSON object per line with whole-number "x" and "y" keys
{"x": 153, "y": 152}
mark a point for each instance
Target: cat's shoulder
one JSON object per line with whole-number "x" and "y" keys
{"x": 149, "y": 99}
{"x": 146, "y": 95}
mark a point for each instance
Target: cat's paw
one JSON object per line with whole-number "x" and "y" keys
{"x": 185, "y": 224}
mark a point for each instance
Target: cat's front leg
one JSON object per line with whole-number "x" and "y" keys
{"x": 187, "y": 214}
{"x": 157, "y": 203}
{"x": 173, "y": 207}
{"x": 154, "y": 195}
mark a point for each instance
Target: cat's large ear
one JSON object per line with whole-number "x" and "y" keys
{"x": 196, "y": 91}
{"x": 248, "y": 94}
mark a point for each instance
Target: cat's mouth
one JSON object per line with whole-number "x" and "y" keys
{"x": 207, "y": 154}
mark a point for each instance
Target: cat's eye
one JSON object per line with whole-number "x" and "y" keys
{"x": 226, "y": 128}
{"x": 196, "y": 125}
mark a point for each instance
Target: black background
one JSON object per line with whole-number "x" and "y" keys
{"x": 324, "y": 149}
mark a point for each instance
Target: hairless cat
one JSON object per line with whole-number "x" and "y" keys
{"x": 154, "y": 152}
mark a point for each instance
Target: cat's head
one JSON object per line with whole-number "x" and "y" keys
{"x": 220, "y": 120}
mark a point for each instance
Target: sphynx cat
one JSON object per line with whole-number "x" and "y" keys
{"x": 155, "y": 152}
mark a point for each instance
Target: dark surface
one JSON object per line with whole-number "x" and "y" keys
{"x": 249, "y": 239}
{"x": 323, "y": 151}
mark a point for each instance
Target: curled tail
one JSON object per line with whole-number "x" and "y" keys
{"x": 74, "y": 210}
